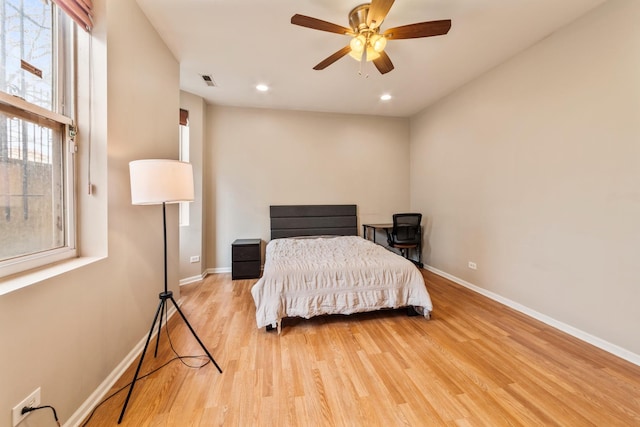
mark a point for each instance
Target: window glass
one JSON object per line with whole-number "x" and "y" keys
{"x": 31, "y": 187}
{"x": 26, "y": 51}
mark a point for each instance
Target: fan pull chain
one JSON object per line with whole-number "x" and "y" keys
{"x": 363, "y": 60}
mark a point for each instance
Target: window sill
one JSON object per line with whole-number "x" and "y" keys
{"x": 22, "y": 280}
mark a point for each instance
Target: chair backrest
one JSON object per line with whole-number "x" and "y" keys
{"x": 406, "y": 228}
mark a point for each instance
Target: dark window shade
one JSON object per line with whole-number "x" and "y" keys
{"x": 184, "y": 117}
{"x": 79, "y": 10}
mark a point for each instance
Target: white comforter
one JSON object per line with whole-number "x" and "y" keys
{"x": 307, "y": 277}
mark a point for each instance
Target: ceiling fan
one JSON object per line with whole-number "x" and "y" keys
{"x": 368, "y": 42}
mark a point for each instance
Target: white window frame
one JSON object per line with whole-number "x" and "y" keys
{"x": 64, "y": 97}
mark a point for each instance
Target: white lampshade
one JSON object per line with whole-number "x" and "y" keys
{"x": 157, "y": 181}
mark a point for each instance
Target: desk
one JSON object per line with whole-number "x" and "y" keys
{"x": 375, "y": 227}
{"x": 387, "y": 228}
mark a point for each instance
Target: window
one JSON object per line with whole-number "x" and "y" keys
{"x": 36, "y": 152}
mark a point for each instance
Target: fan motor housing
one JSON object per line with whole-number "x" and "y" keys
{"x": 358, "y": 17}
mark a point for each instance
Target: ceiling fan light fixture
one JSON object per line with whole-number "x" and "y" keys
{"x": 373, "y": 44}
{"x": 370, "y": 56}
{"x": 378, "y": 42}
{"x": 358, "y": 43}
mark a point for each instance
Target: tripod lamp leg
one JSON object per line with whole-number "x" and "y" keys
{"x": 195, "y": 335}
{"x": 135, "y": 376}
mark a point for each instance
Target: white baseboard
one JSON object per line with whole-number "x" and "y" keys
{"x": 96, "y": 397}
{"x": 218, "y": 270}
{"x": 192, "y": 279}
{"x": 223, "y": 270}
{"x": 593, "y": 340}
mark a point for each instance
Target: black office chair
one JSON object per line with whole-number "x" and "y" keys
{"x": 406, "y": 234}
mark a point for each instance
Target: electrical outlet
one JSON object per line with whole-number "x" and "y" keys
{"x": 195, "y": 258}
{"x": 31, "y": 401}
{"x": 472, "y": 265}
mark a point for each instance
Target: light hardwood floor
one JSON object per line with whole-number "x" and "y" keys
{"x": 475, "y": 363}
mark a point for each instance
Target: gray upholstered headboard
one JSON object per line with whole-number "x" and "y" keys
{"x": 313, "y": 220}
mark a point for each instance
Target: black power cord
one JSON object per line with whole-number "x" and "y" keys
{"x": 28, "y": 409}
{"x": 178, "y": 357}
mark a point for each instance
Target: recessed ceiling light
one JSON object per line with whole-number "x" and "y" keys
{"x": 385, "y": 97}
{"x": 262, "y": 87}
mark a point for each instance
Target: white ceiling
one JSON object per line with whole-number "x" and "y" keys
{"x": 241, "y": 43}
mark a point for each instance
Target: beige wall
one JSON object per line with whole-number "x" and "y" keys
{"x": 256, "y": 158}
{"x": 67, "y": 334}
{"x": 533, "y": 172}
{"x": 192, "y": 236}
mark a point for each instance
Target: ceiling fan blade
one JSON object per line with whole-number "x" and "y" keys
{"x": 421, "y": 29}
{"x": 333, "y": 58}
{"x": 378, "y": 11}
{"x": 383, "y": 63}
{"x": 318, "y": 24}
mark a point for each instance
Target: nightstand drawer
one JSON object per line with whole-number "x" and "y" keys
{"x": 245, "y": 253}
{"x": 245, "y": 270}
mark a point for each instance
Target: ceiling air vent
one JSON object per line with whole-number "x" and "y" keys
{"x": 208, "y": 80}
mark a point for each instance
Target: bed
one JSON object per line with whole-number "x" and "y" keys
{"x": 316, "y": 264}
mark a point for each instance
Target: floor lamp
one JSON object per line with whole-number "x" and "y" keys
{"x": 155, "y": 182}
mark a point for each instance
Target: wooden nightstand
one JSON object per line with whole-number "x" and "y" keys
{"x": 245, "y": 259}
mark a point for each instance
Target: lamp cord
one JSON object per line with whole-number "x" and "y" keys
{"x": 177, "y": 357}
